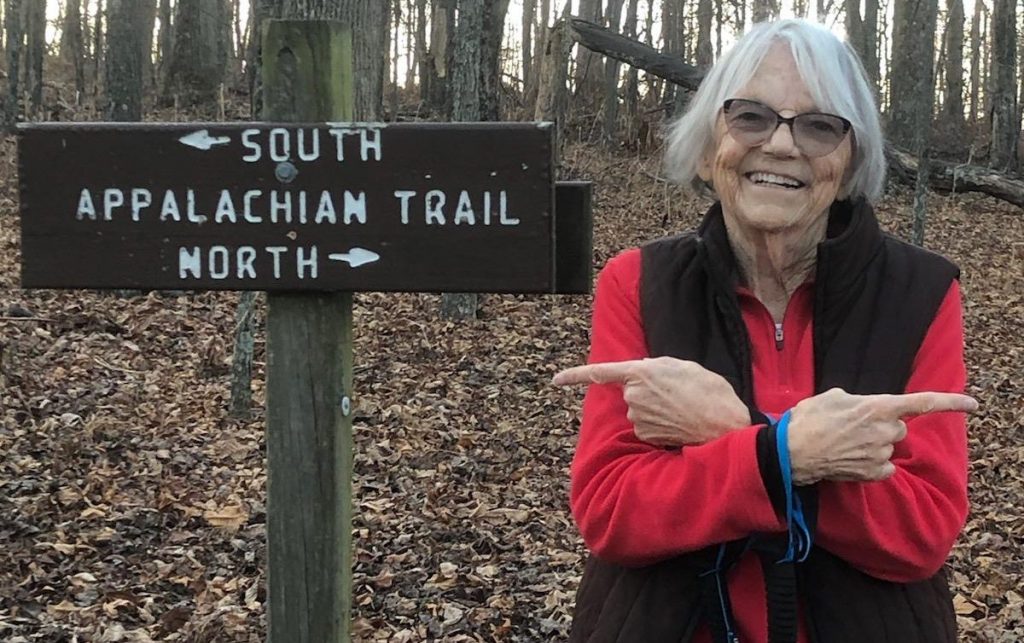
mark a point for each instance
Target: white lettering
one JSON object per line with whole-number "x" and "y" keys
{"x": 355, "y": 206}
{"x": 434, "y": 213}
{"x": 302, "y": 262}
{"x": 314, "y": 153}
{"x": 225, "y": 208}
{"x": 302, "y": 206}
{"x": 141, "y": 198}
{"x": 503, "y": 207}
{"x": 112, "y": 198}
{"x": 277, "y": 251}
{"x": 170, "y": 207}
{"x": 280, "y": 205}
{"x": 85, "y": 206}
{"x": 339, "y": 134}
{"x": 368, "y": 144}
{"x": 246, "y": 257}
{"x": 405, "y": 195}
{"x": 464, "y": 211}
{"x": 190, "y": 207}
{"x": 247, "y": 207}
{"x": 252, "y": 145}
{"x": 189, "y": 262}
{"x": 487, "y": 208}
{"x": 280, "y": 145}
{"x": 325, "y": 211}
{"x": 218, "y": 262}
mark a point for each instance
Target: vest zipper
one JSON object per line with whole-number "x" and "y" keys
{"x": 779, "y": 337}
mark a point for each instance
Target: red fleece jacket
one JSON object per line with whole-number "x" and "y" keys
{"x": 636, "y": 503}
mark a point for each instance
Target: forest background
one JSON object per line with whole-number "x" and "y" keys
{"x": 132, "y": 455}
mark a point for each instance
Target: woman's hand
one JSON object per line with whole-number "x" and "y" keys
{"x": 839, "y": 436}
{"x": 671, "y": 402}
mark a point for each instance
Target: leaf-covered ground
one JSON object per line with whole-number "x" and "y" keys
{"x": 132, "y": 509}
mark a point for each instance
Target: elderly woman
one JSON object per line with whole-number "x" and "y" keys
{"x": 773, "y": 445}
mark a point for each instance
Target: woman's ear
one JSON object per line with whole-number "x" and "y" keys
{"x": 704, "y": 166}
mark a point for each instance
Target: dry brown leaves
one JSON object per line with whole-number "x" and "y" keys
{"x": 132, "y": 509}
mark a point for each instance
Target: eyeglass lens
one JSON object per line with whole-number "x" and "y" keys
{"x": 753, "y": 124}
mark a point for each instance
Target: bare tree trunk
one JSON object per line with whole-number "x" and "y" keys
{"x": 975, "y": 63}
{"x": 529, "y": 9}
{"x": 1005, "y": 123}
{"x": 953, "y": 102}
{"x": 442, "y": 37}
{"x": 165, "y": 40}
{"x": 14, "y": 37}
{"x": 467, "y": 105}
{"x": 587, "y": 78}
{"x": 911, "y": 79}
{"x": 394, "y": 59}
{"x": 869, "y": 35}
{"x": 764, "y": 10}
{"x": 632, "y": 99}
{"x": 490, "y": 59}
{"x": 97, "y": 47}
{"x": 421, "y": 49}
{"x": 124, "y": 69}
{"x": 147, "y": 27}
{"x": 611, "y": 81}
{"x": 911, "y": 71}
{"x": 71, "y": 45}
{"x": 35, "y": 48}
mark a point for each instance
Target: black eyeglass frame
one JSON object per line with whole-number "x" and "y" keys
{"x": 789, "y": 120}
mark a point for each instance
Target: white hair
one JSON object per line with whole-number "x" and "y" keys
{"x": 832, "y": 72}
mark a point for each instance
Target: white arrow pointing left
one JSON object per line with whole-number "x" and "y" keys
{"x": 202, "y": 140}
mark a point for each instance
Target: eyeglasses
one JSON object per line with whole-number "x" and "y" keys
{"x": 752, "y": 123}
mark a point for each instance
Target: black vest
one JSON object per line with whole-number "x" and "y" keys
{"x": 874, "y": 299}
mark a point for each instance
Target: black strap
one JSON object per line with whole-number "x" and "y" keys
{"x": 780, "y": 590}
{"x": 714, "y": 590}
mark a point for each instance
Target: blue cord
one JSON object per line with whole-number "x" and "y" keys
{"x": 800, "y": 539}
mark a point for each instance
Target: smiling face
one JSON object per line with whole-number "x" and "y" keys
{"x": 775, "y": 187}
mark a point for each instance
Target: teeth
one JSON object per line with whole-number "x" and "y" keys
{"x": 765, "y": 177}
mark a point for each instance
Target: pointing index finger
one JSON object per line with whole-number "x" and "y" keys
{"x": 930, "y": 402}
{"x": 603, "y": 373}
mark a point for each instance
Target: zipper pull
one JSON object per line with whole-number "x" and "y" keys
{"x": 779, "y": 337}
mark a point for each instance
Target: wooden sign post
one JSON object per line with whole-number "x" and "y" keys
{"x": 309, "y": 207}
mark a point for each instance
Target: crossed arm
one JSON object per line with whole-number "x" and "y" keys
{"x": 892, "y": 468}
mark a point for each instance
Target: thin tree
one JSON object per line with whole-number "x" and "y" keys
{"x": 71, "y": 50}
{"x": 97, "y": 46}
{"x": 611, "y": 81}
{"x": 529, "y": 9}
{"x": 35, "y": 49}
{"x": 1005, "y": 122}
{"x": 632, "y": 94}
{"x": 14, "y": 37}
{"x": 953, "y": 97}
{"x": 975, "y": 63}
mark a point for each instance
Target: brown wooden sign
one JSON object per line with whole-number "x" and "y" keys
{"x": 330, "y": 206}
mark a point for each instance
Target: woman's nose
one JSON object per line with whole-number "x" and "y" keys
{"x": 781, "y": 142}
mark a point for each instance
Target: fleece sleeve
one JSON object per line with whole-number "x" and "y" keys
{"x": 636, "y": 503}
{"x": 903, "y": 528}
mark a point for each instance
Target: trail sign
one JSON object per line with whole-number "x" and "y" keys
{"x": 326, "y": 208}
{"x": 465, "y": 207}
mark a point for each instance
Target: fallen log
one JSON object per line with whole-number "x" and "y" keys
{"x": 948, "y": 177}
{"x": 942, "y": 176}
{"x": 614, "y": 45}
